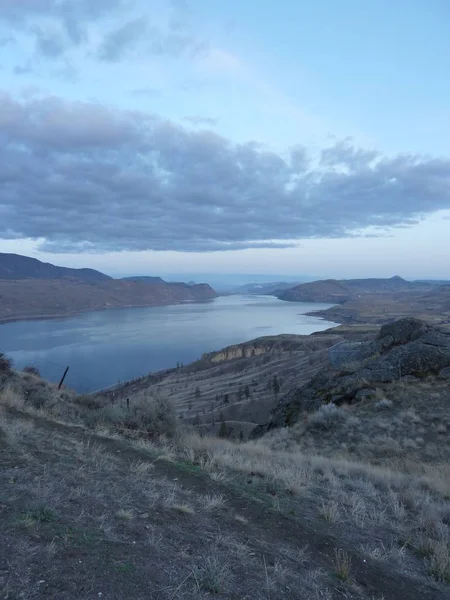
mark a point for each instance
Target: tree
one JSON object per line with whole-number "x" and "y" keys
{"x": 223, "y": 433}
{"x": 197, "y": 393}
{"x": 275, "y": 386}
{"x": 241, "y": 436}
{"x": 240, "y": 393}
{"x": 247, "y": 391}
{"x": 226, "y": 398}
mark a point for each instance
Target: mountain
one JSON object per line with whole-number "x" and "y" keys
{"x": 269, "y": 288}
{"x": 339, "y": 291}
{"x": 144, "y": 279}
{"x": 16, "y": 266}
{"x": 32, "y": 289}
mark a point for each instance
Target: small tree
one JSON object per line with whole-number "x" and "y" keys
{"x": 223, "y": 433}
{"x": 247, "y": 391}
{"x": 226, "y": 398}
{"x": 240, "y": 393}
{"x": 241, "y": 436}
{"x": 275, "y": 386}
{"x": 197, "y": 393}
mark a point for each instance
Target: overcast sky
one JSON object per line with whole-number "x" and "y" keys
{"x": 157, "y": 137}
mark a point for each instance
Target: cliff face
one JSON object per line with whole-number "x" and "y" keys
{"x": 265, "y": 345}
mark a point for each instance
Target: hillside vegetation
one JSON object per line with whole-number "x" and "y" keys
{"x": 349, "y": 500}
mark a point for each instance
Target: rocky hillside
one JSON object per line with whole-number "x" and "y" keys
{"x": 43, "y": 298}
{"x": 31, "y": 289}
{"x": 407, "y": 351}
{"x": 339, "y": 291}
{"x": 16, "y": 267}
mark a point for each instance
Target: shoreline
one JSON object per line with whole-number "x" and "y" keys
{"x": 68, "y": 315}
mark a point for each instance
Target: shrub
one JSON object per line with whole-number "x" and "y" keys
{"x": 384, "y": 404}
{"x": 6, "y": 365}
{"x": 32, "y": 370}
{"x": 327, "y": 416}
{"x": 153, "y": 414}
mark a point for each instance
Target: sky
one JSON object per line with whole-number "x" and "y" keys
{"x": 192, "y": 136}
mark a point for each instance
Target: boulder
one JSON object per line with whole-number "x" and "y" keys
{"x": 402, "y": 331}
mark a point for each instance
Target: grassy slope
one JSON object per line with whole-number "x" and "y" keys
{"x": 197, "y": 517}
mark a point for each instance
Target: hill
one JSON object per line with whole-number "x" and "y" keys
{"x": 349, "y": 499}
{"x": 375, "y": 301}
{"x": 16, "y": 267}
{"x": 29, "y": 299}
{"x": 339, "y": 291}
{"x": 144, "y": 279}
{"x": 269, "y": 288}
{"x": 30, "y": 289}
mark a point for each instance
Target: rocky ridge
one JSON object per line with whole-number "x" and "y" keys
{"x": 408, "y": 349}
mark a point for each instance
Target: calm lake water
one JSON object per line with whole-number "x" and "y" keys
{"x": 108, "y": 346}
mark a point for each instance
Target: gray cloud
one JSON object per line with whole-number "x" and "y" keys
{"x": 118, "y": 42}
{"x": 88, "y": 178}
{"x": 49, "y": 45}
{"x": 71, "y": 18}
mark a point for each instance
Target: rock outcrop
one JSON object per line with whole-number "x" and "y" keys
{"x": 407, "y": 348}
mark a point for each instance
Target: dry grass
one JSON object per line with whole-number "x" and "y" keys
{"x": 184, "y": 509}
{"x": 342, "y": 564}
{"x": 212, "y": 575}
{"x": 372, "y": 501}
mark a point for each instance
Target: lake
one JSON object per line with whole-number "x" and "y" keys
{"x": 104, "y": 347}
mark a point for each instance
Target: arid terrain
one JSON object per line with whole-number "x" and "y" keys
{"x": 375, "y": 301}
{"x": 343, "y": 490}
{"x": 30, "y": 289}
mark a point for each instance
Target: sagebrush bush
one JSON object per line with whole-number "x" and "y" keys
{"x": 327, "y": 416}
{"x": 6, "y": 365}
{"x": 32, "y": 370}
{"x": 154, "y": 415}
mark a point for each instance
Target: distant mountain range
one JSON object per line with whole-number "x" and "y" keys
{"x": 30, "y": 289}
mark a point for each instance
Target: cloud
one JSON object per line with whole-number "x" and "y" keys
{"x": 118, "y": 42}
{"x": 4, "y": 41}
{"x": 195, "y": 120}
{"x": 55, "y": 25}
{"x": 87, "y": 178}
{"x": 49, "y": 45}
{"x": 58, "y": 25}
